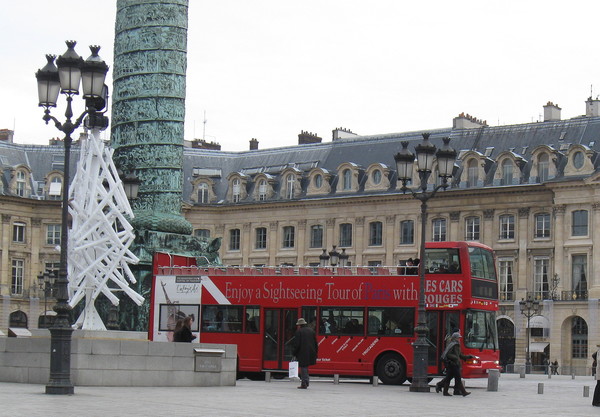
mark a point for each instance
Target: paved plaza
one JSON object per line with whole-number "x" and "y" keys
{"x": 563, "y": 396}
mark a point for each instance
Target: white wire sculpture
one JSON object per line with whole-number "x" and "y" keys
{"x": 100, "y": 234}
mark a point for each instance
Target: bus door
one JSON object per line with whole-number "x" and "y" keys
{"x": 448, "y": 321}
{"x": 280, "y": 327}
{"x": 433, "y": 339}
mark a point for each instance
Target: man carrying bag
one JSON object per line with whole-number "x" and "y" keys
{"x": 305, "y": 350}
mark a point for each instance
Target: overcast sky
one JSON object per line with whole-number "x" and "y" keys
{"x": 268, "y": 69}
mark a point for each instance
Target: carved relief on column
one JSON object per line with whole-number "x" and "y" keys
{"x": 330, "y": 222}
{"x": 596, "y": 206}
{"x": 36, "y": 222}
{"x": 524, "y": 212}
{"x": 360, "y": 221}
{"x": 6, "y": 218}
{"x": 559, "y": 210}
{"x": 246, "y": 227}
{"x": 488, "y": 214}
{"x": 220, "y": 229}
{"x": 302, "y": 224}
{"x": 273, "y": 226}
{"x": 454, "y": 216}
{"x": 390, "y": 219}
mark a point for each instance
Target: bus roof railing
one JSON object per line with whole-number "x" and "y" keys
{"x": 400, "y": 270}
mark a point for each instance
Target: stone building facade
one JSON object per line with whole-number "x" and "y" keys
{"x": 530, "y": 191}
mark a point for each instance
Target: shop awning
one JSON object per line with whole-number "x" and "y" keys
{"x": 537, "y": 346}
{"x": 539, "y": 322}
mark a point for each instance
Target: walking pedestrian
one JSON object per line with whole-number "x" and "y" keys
{"x": 305, "y": 350}
{"x": 452, "y": 356}
{"x": 185, "y": 333}
{"x": 596, "y": 399}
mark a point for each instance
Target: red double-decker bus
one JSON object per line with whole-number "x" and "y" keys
{"x": 364, "y": 316}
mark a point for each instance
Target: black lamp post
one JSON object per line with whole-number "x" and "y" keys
{"x": 529, "y": 308}
{"x": 65, "y": 77}
{"x": 46, "y": 283}
{"x": 334, "y": 257}
{"x": 323, "y": 258}
{"x": 344, "y": 258}
{"x": 404, "y": 164}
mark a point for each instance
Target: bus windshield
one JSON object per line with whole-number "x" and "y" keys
{"x": 480, "y": 330}
{"x": 442, "y": 261}
{"x": 482, "y": 263}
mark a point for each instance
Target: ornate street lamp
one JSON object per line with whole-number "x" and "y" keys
{"x": 446, "y": 157}
{"x": 344, "y": 258}
{"x": 65, "y": 77}
{"x": 334, "y": 256}
{"x": 529, "y": 308}
{"x": 46, "y": 283}
{"x": 131, "y": 185}
{"x": 323, "y": 258}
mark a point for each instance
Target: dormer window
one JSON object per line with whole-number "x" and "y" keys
{"x": 507, "y": 172}
{"x": 262, "y": 190}
{"x": 318, "y": 181}
{"x": 543, "y": 167}
{"x": 55, "y": 190}
{"x": 203, "y": 196}
{"x": 472, "y": 173}
{"x": 237, "y": 190}
{"x": 289, "y": 183}
{"x": 347, "y": 180}
{"x": 20, "y": 184}
{"x": 376, "y": 176}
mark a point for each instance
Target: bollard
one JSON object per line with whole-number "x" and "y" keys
{"x": 375, "y": 381}
{"x": 522, "y": 373}
{"x": 573, "y": 375}
{"x": 336, "y": 379}
{"x": 268, "y": 376}
{"x": 586, "y": 390}
{"x": 540, "y": 388}
{"x": 492, "y": 382}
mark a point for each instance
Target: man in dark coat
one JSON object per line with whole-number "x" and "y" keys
{"x": 452, "y": 355}
{"x": 305, "y": 350}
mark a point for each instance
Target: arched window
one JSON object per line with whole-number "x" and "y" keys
{"x": 289, "y": 191}
{"x": 17, "y": 319}
{"x": 318, "y": 181}
{"x": 579, "y": 338}
{"x": 262, "y": 190}
{"x": 507, "y": 172}
{"x": 203, "y": 193}
{"x": 407, "y": 232}
{"x": 375, "y": 234}
{"x": 347, "y": 175}
{"x": 237, "y": 190}
{"x": 472, "y": 173}
{"x": 543, "y": 167}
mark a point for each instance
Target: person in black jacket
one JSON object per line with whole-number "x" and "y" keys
{"x": 305, "y": 350}
{"x": 185, "y": 333}
{"x": 452, "y": 355}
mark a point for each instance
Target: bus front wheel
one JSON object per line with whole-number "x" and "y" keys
{"x": 391, "y": 370}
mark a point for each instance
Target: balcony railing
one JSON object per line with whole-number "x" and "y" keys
{"x": 573, "y": 295}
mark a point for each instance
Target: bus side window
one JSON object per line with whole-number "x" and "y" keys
{"x": 252, "y": 319}
{"x": 391, "y": 321}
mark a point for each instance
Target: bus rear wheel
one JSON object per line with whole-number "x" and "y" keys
{"x": 391, "y": 370}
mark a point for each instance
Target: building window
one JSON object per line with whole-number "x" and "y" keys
{"x": 262, "y": 190}
{"x": 540, "y": 278}
{"x": 472, "y": 228}
{"x": 55, "y": 191}
{"x": 18, "y": 271}
{"x": 234, "y": 239}
{"x": 507, "y": 172}
{"x": 237, "y": 190}
{"x": 376, "y": 176}
{"x": 578, "y": 160}
{"x": 472, "y": 173}
{"x": 53, "y": 234}
{"x": 407, "y": 232}
{"x": 289, "y": 191}
{"x": 261, "y": 238}
{"x": 288, "y": 236}
{"x": 20, "y": 184}
{"x": 439, "y": 230}
{"x": 579, "y": 338}
{"x": 542, "y": 225}
{"x": 580, "y": 223}
{"x": 345, "y": 235}
{"x": 579, "y": 277}
{"x": 318, "y": 181}
{"x": 316, "y": 236}
{"x": 375, "y": 234}
{"x": 347, "y": 176}
{"x": 19, "y": 232}
{"x": 202, "y": 233}
{"x": 543, "y": 167}
{"x": 505, "y": 269}
{"x": 507, "y": 226}
{"x": 203, "y": 193}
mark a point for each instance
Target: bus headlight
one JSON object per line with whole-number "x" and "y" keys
{"x": 474, "y": 360}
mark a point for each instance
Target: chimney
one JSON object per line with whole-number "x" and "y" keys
{"x": 253, "y": 144}
{"x": 305, "y": 138}
{"x": 202, "y": 144}
{"x": 6, "y": 135}
{"x": 592, "y": 107}
{"x": 551, "y": 112}
{"x": 466, "y": 121}
{"x": 341, "y": 133}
